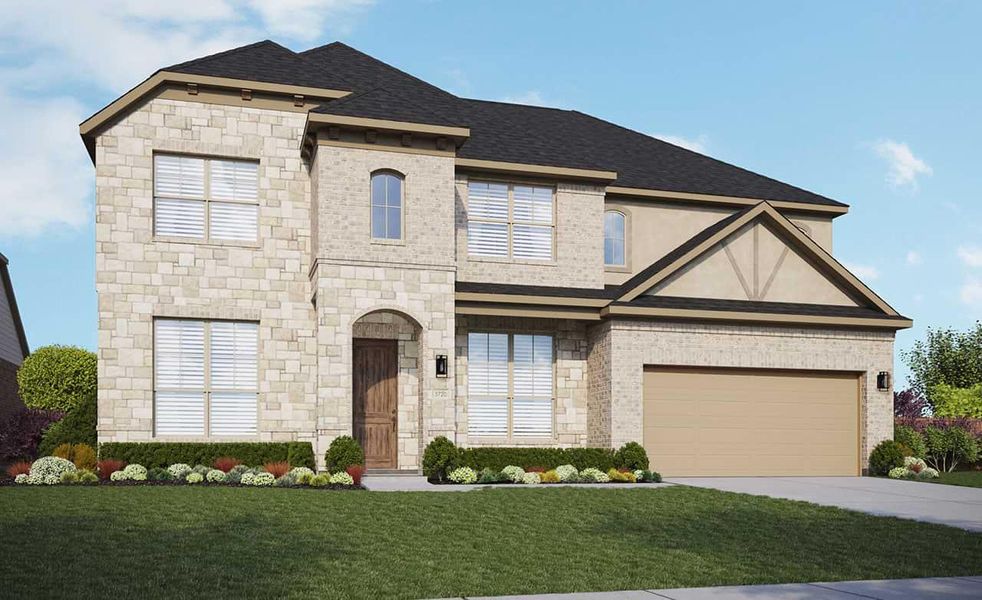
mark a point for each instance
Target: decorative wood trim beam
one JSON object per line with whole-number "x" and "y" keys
{"x": 538, "y": 170}
{"x": 726, "y": 200}
{"x": 555, "y": 301}
{"x": 752, "y": 317}
{"x": 457, "y": 132}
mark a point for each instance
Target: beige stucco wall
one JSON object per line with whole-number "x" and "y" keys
{"x": 571, "y": 349}
{"x": 578, "y": 260}
{"x": 655, "y": 228}
{"x": 138, "y": 277}
{"x": 633, "y": 344}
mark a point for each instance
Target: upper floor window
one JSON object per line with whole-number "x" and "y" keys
{"x": 206, "y": 377}
{"x": 614, "y": 239}
{"x": 510, "y": 221}
{"x": 387, "y": 206}
{"x": 205, "y": 198}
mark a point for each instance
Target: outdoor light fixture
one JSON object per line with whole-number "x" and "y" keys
{"x": 441, "y": 365}
{"x": 883, "y": 381}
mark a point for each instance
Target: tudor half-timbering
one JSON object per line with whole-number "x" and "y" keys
{"x": 305, "y": 245}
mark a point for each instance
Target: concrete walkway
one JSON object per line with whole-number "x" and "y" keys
{"x": 888, "y": 589}
{"x": 931, "y": 502}
{"x": 407, "y": 483}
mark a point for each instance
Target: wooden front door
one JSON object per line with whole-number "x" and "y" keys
{"x": 376, "y": 398}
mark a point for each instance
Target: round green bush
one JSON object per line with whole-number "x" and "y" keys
{"x": 344, "y": 452}
{"x": 77, "y": 427}
{"x": 439, "y": 458}
{"x": 911, "y": 438}
{"x": 887, "y": 455}
{"x": 631, "y": 456}
{"x": 57, "y": 378}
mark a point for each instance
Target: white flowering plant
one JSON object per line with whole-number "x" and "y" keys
{"x": 179, "y": 471}
{"x": 21, "y": 479}
{"x": 194, "y": 477}
{"x": 301, "y": 475}
{"x": 913, "y": 468}
{"x": 48, "y": 470}
{"x": 531, "y": 478}
{"x": 135, "y": 472}
{"x": 567, "y": 473}
{"x": 464, "y": 475}
{"x": 216, "y": 476}
{"x": 592, "y": 475}
{"x": 247, "y": 478}
{"x": 514, "y": 473}
{"x": 117, "y": 476}
{"x": 263, "y": 479}
{"x": 342, "y": 478}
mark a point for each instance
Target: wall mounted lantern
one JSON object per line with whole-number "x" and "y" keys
{"x": 441, "y": 365}
{"x": 883, "y": 381}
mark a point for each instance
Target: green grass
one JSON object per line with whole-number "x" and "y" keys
{"x": 145, "y": 542}
{"x": 963, "y": 478}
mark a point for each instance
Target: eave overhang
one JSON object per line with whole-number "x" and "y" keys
{"x": 739, "y": 201}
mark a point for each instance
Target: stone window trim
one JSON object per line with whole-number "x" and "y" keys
{"x": 510, "y": 439}
{"x": 206, "y": 199}
{"x": 511, "y": 222}
{"x": 207, "y": 390}
{"x": 401, "y": 240}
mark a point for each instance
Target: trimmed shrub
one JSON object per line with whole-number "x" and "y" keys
{"x": 440, "y": 457}
{"x": 513, "y": 473}
{"x": 464, "y": 475}
{"x": 303, "y": 475}
{"x": 321, "y": 480}
{"x": 342, "y": 478}
{"x": 491, "y": 476}
{"x": 648, "y": 476}
{"x": 21, "y": 433}
{"x": 631, "y": 456}
{"x": 77, "y": 427}
{"x": 498, "y": 458}
{"x": 82, "y": 455}
{"x": 135, "y": 472}
{"x": 159, "y": 474}
{"x": 343, "y": 452}
{"x": 216, "y": 476}
{"x": 949, "y": 446}
{"x": 278, "y": 469}
{"x": 567, "y": 473}
{"x": 356, "y": 472}
{"x": 194, "y": 478}
{"x": 235, "y": 474}
{"x": 887, "y": 455}
{"x": 163, "y": 454}
{"x": 107, "y": 467}
{"x": 19, "y": 468}
{"x": 263, "y": 479}
{"x": 592, "y": 475}
{"x": 910, "y": 438}
{"x": 179, "y": 471}
{"x": 57, "y": 378}
{"x": 69, "y": 477}
{"x": 300, "y": 454}
{"x": 87, "y": 477}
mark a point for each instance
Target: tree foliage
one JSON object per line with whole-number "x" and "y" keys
{"x": 956, "y": 402}
{"x": 57, "y": 377}
{"x": 946, "y": 356}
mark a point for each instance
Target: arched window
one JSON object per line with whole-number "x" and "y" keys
{"x": 614, "y": 239}
{"x": 387, "y": 205}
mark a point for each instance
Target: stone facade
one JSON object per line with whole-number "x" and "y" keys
{"x": 630, "y": 345}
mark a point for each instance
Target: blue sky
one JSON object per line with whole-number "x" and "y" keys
{"x": 876, "y": 104}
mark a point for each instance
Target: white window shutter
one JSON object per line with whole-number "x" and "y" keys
{"x": 487, "y": 201}
{"x": 233, "y": 221}
{"x": 234, "y": 180}
{"x": 179, "y": 377}
{"x": 487, "y": 239}
{"x": 487, "y": 381}
{"x": 532, "y": 370}
{"x": 178, "y": 176}
{"x": 533, "y": 204}
{"x": 234, "y": 378}
{"x": 179, "y": 218}
{"x": 532, "y": 242}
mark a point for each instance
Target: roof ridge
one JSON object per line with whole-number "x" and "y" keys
{"x": 224, "y": 53}
{"x": 536, "y": 106}
{"x": 722, "y": 162}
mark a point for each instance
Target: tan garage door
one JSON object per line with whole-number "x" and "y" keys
{"x": 723, "y": 422}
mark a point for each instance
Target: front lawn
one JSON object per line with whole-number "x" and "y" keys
{"x": 963, "y": 478}
{"x": 141, "y": 542}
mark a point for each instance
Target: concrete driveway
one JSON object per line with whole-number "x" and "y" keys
{"x": 945, "y": 504}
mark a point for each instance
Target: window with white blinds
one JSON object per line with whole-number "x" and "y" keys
{"x": 206, "y": 198}
{"x": 510, "y": 221}
{"x": 206, "y": 377}
{"x": 509, "y": 385}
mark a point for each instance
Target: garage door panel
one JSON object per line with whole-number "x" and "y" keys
{"x": 751, "y": 422}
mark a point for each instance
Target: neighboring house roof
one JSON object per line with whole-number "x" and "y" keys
{"x": 498, "y": 131}
{"x": 11, "y": 304}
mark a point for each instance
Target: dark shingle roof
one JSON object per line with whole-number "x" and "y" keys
{"x": 513, "y": 289}
{"x": 264, "y": 61}
{"x": 380, "y": 103}
{"x": 757, "y": 306}
{"x": 501, "y": 131}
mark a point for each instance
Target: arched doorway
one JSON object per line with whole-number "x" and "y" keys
{"x": 386, "y": 388}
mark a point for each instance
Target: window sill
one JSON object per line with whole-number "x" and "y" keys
{"x": 167, "y": 239}
{"x": 385, "y": 242}
{"x": 205, "y": 438}
{"x": 531, "y": 442}
{"x": 512, "y": 261}
{"x": 616, "y": 269}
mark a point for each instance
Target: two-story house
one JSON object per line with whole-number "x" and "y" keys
{"x": 297, "y": 246}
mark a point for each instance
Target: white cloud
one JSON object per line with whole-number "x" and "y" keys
{"x": 971, "y": 255}
{"x": 531, "y": 97}
{"x": 699, "y": 144}
{"x": 971, "y": 292}
{"x": 903, "y": 167}
{"x": 914, "y": 258}
{"x": 103, "y": 48}
{"x": 864, "y": 272}
{"x": 304, "y": 19}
